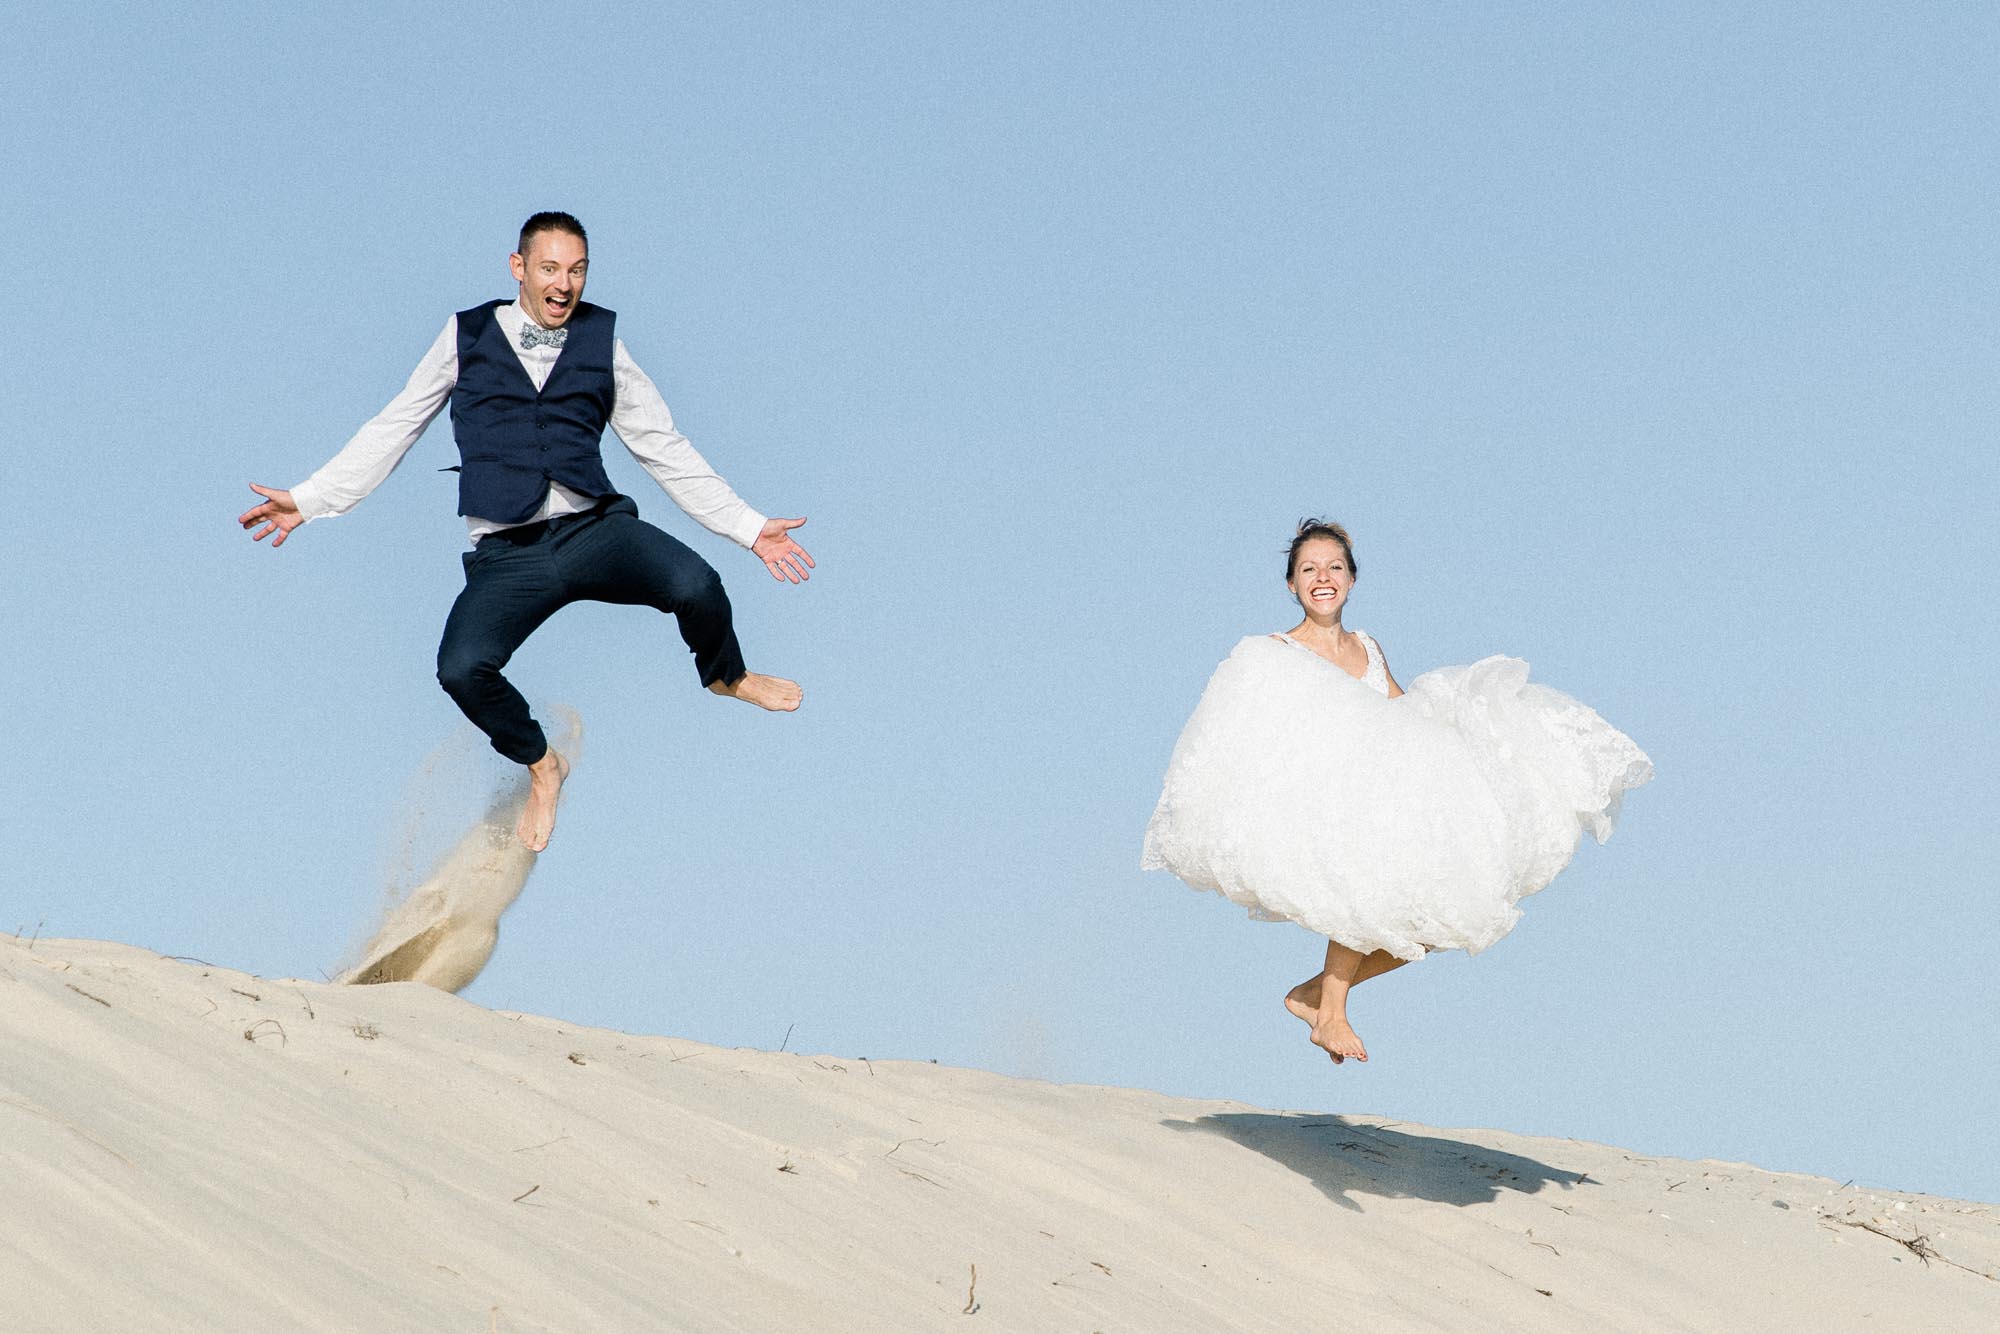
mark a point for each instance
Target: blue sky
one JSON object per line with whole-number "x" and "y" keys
{"x": 1654, "y": 347}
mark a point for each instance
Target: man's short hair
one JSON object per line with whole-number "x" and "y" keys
{"x": 550, "y": 222}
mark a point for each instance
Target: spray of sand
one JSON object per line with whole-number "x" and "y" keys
{"x": 442, "y": 931}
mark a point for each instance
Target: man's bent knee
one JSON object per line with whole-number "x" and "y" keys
{"x": 463, "y": 674}
{"x": 701, "y": 592}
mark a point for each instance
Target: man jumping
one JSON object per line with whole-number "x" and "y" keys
{"x": 532, "y": 384}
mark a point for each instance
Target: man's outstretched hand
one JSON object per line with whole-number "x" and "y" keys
{"x": 279, "y": 515}
{"x": 784, "y": 558}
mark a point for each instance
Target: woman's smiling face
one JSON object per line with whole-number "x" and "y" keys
{"x": 1321, "y": 578}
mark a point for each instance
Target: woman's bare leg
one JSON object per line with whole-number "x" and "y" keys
{"x": 1345, "y": 969}
{"x": 1330, "y": 1029}
{"x": 1303, "y": 999}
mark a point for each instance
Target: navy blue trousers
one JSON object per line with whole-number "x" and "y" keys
{"x": 517, "y": 578}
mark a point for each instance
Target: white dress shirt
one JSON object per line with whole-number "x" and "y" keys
{"x": 639, "y": 417}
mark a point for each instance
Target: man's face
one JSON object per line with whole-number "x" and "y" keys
{"x": 551, "y": 275}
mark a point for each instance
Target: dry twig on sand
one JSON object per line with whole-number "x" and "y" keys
{"x": 48, "y": 1115}
{"x": 913, "y": 1139}
{"x": 1918, "y": 1245}
{"x": 250, "y": 1033}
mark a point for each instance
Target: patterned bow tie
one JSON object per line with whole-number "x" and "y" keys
{"x": 533, "y": 335}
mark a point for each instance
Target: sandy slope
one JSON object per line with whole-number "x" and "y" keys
{"x": 189, "y": 1148}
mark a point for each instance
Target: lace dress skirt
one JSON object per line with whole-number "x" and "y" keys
{"x": 1404, "y": 825}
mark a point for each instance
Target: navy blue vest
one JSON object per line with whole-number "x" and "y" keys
{"x": 512, "y": 441}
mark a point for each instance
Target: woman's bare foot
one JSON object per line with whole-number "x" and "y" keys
{"x": 1322, "y": 1001}
{"x": 766, "y": 692}
{"x": 1339, "y": 1039}
{"x": 1303, "y": 1000}
{"x": 538, "y": 817}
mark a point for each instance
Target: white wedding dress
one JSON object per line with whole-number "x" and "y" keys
{"x": 1406, "y": 825}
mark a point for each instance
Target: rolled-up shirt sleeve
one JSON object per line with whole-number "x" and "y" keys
{"x": 642, "y": 421}
{"x": 366, "y": 461}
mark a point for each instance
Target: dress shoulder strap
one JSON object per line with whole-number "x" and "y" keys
{"x": 1377, "y": 675}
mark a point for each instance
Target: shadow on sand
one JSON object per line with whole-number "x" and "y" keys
{"x": 1344, "y": 1159}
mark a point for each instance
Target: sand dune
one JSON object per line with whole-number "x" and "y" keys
{"x": 190, "y": 1148}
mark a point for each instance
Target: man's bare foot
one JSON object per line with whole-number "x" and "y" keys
{"x": 538, "y": 817}
{"x": 1303, "y": 1000}
{"x": 766, "y": 692}
{"x": 1339, "y": 1039}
